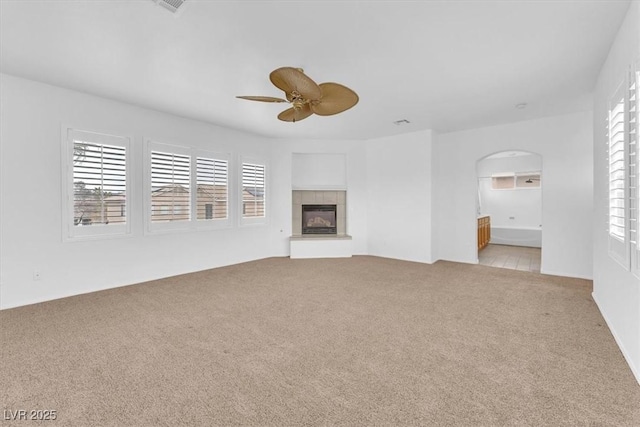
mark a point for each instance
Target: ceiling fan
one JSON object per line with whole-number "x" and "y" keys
{"x": 305, "y": 96}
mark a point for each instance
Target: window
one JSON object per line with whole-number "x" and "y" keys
{"x": 512, "y": 180}
{"x": 96, "y": 186}
{"x": 170, "y": 187}
{"x": 212, "y": 176}
{"x": 252, "y": 190}
{"x": 253, "y": 193}
{"x": 187, "y": 188}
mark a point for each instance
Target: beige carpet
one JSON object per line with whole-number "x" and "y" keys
{"x": 361, "y": 341}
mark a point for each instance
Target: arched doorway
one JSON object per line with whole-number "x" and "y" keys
{"x": 509, "y": 208}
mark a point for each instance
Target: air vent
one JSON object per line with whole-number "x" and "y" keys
{"x": 174, "y": 6}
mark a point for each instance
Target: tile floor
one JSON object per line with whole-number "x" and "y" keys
{"x": 512, "y": 257}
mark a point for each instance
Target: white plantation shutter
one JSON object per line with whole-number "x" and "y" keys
{"x": 617, "y": 175}
{"x": 170, "y": 187}
{"x": 634, "y": 170}
{"x": 253, "y": 190}
{"x": 212, "y": 178}
{"x": 617, "y": 167}
{"x": 633, "y": 160}
{"x": 186, "y": 188}
{"x": 98, "y": 184}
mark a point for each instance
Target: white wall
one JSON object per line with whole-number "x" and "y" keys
{"x": 388, "y": 185}
{"x": 520, "y": 207}
{"x": 399, "y": 171}
{"x": 615, "y": 289}
{"x": 31, "y": 115}
{"x": 389, "y": 200}
{"x": 319, "y": 171}
{"x": 566, "y": 146}
{"x": 390, "y": 209}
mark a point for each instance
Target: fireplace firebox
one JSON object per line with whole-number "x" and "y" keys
{"x": 319, "y": 219}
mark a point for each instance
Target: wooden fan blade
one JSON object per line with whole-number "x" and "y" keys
{"x": 336, "y": 98}
{"x": 262, "y": 98}
{"x": 291, "y": 80}
{"x": 293, "y": 115}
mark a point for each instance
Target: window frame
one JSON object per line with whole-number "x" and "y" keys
{"x": 71, "y": 232}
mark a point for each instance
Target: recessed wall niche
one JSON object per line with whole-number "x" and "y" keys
{"x": 319, "y": 171}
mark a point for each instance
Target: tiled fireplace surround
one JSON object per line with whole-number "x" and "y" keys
{"x": 319, "y": 197}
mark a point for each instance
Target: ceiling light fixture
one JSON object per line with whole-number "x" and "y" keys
{"x": 401, "y": 122}
{"x": 305, "y": 96}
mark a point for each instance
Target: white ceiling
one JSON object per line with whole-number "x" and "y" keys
{"x": 443, "y": 65}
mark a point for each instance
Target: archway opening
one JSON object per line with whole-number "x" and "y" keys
{"x": 509, "y": 210}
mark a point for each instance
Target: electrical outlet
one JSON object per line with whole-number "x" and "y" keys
{"x": 37, "y": 275}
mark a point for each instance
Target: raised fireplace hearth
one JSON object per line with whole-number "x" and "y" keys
{"x": 319, "y": 219}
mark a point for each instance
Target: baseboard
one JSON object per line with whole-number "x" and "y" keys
{"x": 565, "y": 274}
{"x": 625, "y": 354}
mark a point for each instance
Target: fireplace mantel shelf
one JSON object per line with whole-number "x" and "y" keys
{"x": 321, "y": 237}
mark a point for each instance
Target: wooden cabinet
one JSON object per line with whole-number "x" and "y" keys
{"x": 484, "y": 231}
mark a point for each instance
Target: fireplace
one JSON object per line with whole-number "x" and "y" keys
{"x": 319, "y": 219}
